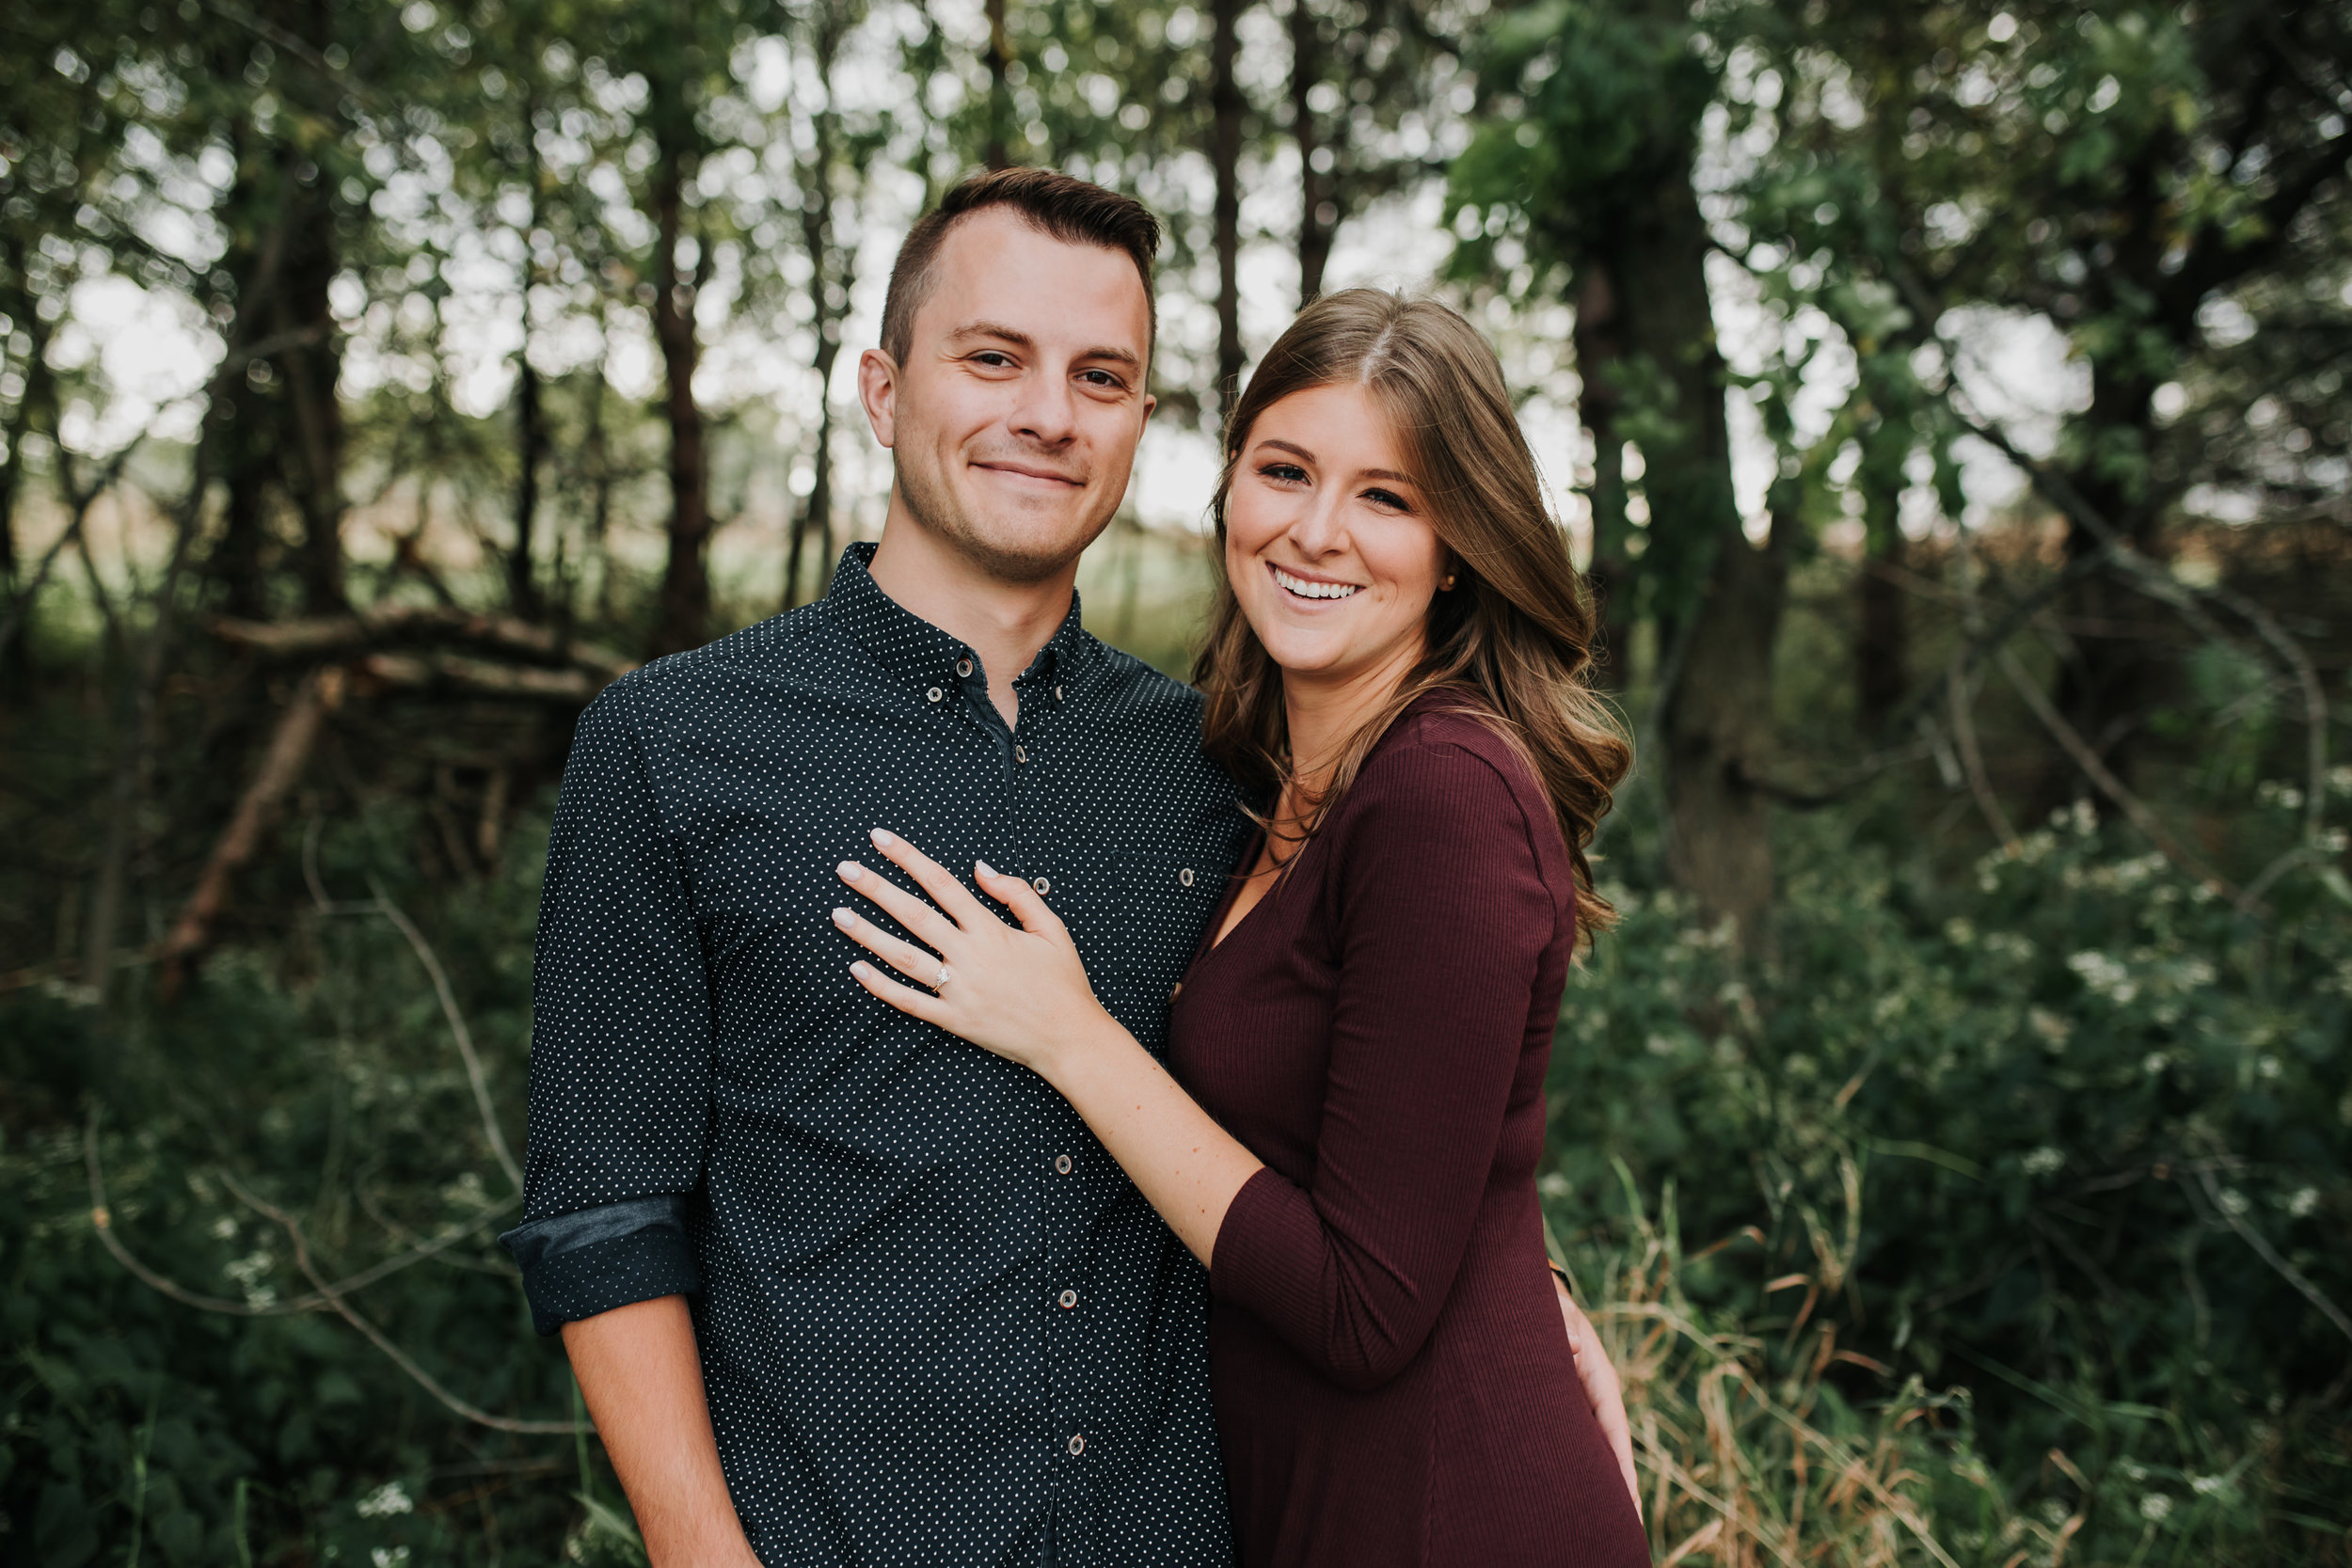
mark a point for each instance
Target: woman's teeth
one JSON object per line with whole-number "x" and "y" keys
{"x": 1306, "y": 590}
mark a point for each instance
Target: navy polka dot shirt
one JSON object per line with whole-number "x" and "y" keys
{"x": 937, "y": 1324}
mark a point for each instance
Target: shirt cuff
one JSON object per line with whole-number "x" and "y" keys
{"x": 579, "y": 1264}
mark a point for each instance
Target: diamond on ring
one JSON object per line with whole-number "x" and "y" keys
{"x": 944, "y": 975}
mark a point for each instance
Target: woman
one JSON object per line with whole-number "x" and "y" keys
{"x": 1396, "y": 670}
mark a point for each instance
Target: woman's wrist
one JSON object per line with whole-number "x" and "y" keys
{"x": 1067, "y": 1047}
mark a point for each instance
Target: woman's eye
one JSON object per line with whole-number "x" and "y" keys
{"x": 1386, "y": 499}
{"x": 1284, "y": 473}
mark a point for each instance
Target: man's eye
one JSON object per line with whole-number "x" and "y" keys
{"x": 1100, "y": 378}
{"x": 993, "y": 358}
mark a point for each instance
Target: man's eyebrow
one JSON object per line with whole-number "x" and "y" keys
{"x": 1022, "y": 340}
{"x": 1297, "y": 451}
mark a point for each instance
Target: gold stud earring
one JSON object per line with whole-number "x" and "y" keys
{"x": 1447, "y": 586}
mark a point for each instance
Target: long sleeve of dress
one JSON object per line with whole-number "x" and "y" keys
{"x": 620, "y": 1043}
{"x": 1442, "y": 918}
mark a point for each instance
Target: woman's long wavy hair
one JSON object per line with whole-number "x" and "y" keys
{"x": 1513, "y": 639}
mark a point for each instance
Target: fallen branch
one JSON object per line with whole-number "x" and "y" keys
{"x": 382, "y": 1342}
{"x": 480, "y": 678}
{"x": 1972, "y": 759}
{"x": 102, "y": 1221}
{"x": 369, "y": 630}
{"x": 463, "y": 1036}
{"x": 2072, "y": 742}
{"x": 281, "y": 766}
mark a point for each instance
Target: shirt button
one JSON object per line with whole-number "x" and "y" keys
{"x": 1077, "y": 1443}
{"x": 1057, "y": 693}
{"x": 1043, "y": 886}
{"x": 1177, "y": 993}
{"x": 1020, "y": 753}
{"x": 1184, "y": 876}
{"x": 1069, "y": 1299}
{"x": 934, "y": 694}
{"x": 1062, "y": 1165}
{"x": 964, "y": 667}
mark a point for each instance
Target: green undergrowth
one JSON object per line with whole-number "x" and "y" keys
{"x": 1995, "y": 1219}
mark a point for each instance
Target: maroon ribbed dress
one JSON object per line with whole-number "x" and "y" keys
{"x": 1391, "y": 1380}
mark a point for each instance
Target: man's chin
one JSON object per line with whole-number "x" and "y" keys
{"x": 1025, "y": 549}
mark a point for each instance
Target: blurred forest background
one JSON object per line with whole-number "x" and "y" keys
{"x": 1950, "y": 401}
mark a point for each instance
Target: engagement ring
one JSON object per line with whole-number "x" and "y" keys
{"x": 940, "y": 984}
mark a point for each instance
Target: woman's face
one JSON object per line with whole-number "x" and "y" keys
{"x": 1327, "y": 542}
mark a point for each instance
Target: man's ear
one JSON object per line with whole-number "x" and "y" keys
{"x": 1150, "y": 402}
{"x": 878, "y": 390}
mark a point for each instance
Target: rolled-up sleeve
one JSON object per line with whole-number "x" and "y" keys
{"x": 620, "y": 1041}
{"x": 1443, "y": 917}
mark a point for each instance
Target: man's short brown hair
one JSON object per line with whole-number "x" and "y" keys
{"x": 1069, "y": 210}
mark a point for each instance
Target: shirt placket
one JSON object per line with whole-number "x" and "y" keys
{"x": 1025, "y": 827}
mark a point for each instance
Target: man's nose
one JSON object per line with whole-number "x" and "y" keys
{"x": 1048, "y": 410}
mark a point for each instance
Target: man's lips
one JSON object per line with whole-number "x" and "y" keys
{"x": 1024, "y": 471}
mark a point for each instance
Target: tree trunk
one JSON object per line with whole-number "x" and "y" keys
{"x": 310, "y": 460}
{"x": 1599, "y": 348}
{"x": 1225, "y": 110}
{"x": 993, "y": 151}
{"x": 523, "y": 587}
{"x": 1719, "y": 598}
{"x": 530, "y": 439}
{"x": 817, "y": 238}
{"x": 1882, "y": 631}
{"x": 1318, "y": 213}
{"x": 682, "y": 614}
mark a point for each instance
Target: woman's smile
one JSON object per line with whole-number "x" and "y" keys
{"x": 1299, "y": 586}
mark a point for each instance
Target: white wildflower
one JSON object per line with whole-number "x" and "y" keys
{"x": 2154, "y": 1063}
{"x": 2044, "y": 1161}
{"x": 385, "y": 1502}
{"x": 2304, "y": 1200}
{"x": 389, "y": 1557}
{"x": 2155, "y": 1506}
{"x": 2108, "y": 976}
{"x": 2234, "y": 1201}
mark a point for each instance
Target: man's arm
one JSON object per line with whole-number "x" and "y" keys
{"x": 642, "y": 1379}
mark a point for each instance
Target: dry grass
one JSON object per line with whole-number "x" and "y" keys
{"x": 1749, "y": 1456}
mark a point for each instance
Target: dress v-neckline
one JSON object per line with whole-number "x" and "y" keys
{"x": 1219, "y": 934}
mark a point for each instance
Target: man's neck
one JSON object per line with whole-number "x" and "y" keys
{"x": 1006, "y": 623}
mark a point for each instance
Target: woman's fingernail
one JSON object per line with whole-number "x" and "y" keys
{"x": 983, "y": 868}
{"x": 844, "y": 919}
{"x": 860, "y": 969}
{"x": 850, "y": 871}
{"x": 883, "y": 836}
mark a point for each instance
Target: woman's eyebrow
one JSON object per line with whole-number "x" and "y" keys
{"x": 1299, "y": 452}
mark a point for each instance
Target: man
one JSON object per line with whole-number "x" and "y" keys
{"x": 931, "y": 1320}
{"x": 839, "y": 1288}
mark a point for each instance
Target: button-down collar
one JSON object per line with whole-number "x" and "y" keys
{"x": 910, "y": 647}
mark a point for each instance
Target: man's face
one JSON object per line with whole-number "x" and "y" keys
{"x": 1014, "y": 419}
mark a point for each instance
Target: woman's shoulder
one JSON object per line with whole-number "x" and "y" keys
{"x": 1446, "y": 754}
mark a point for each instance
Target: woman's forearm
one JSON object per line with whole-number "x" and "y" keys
{"x": 1186, "y": 1166}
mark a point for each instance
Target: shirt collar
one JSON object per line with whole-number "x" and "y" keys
{"x": 907, "y": 645}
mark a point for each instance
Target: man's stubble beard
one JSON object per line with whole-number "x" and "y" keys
{"x": 937, "y": 515}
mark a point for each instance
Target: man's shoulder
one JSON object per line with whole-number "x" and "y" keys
{"x": 678, "y": 686}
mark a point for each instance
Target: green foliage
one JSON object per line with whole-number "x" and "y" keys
{"x": 318, "y": 1075}
{"x": 2076, "y": 1133}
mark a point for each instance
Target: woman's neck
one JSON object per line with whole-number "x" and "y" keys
{"x": 1322, "y": 715}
